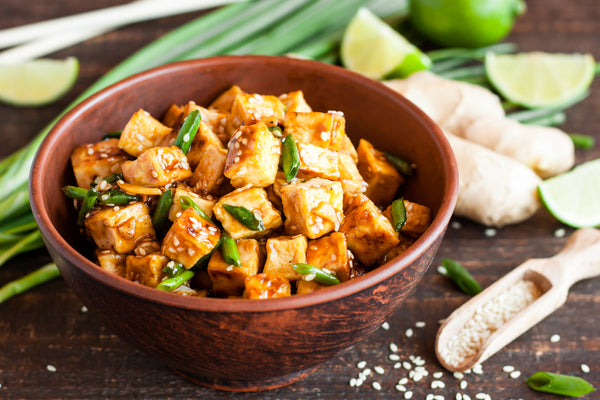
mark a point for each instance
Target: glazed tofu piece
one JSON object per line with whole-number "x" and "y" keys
{"x": 111, "y": 261}
{"x": 249, "y": 109}
{"x": 418, "y": 218}
{"x": 173, "y": 116}
{"x": 208, "y": 175}
{"x": 147, "y": 246}
{"x": 255, "y": 200}
{"x": 211, "y": 119}
{"x": 190, "y": 238}
{"x": 252, "y": 157}
{"x": 352, "y": 181}
{"x": 282, "y": 252}
{"x": 182, "y": 190}
{"x": 120, "y": 228}
{"x": 204, "y": 138}
{"x": 312, "y": 208}
{"x": 382, "y": 177}
{"x": 318, "y": 162}
{"x": 369, "y": 233}
{"x": 228, "y": 280}
{"x": 141, "y": 133}
{"x": 266, "y": 286}
{"x": 405, "y": 242}
{"x": 325, "y": 130}
{"x": 224, "y": 102}
{"x": 303, "y": 287}
{"x": 146, "y": 270}
{"x": 157, "y": 167}
{"x": 94, "y": 160}
{"x": 295, "y": 102}
{"x": 330, "y": 253}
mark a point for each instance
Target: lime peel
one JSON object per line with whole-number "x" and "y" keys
{"x": 574, "y": 197}
{"x": 38, "y": 82}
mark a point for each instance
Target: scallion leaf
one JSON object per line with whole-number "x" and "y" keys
{"x": 319, "y": 275}
{"x": 290, "y": 159}
{"x": 172, "y": 269}
{"x": 188, "y": 131}
{"x": 403, "y": 166}
{"x": 229, "y": 250}
{"x": 170, "y": 284}
{"x": 582, "y": 141}
{"x": 398, "y": 214}
{"x": 461, "y": 277}
{"x": 245, "y": 217}
{"x": 112, "y": 135}
{"x": 87, "y": 204}
{"x": 565, "y": 385}
{"x": 161, "y": 212}
{"x": 186, "y": 202}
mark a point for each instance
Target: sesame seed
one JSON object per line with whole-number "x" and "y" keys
{"x": 90, "y": 151}
{"x": 309, "y": 277}
{"x": 438, "y": 385}
{"x": 463, "y": 385}
{"x": 409, "y": 332}
{"x": 376, "y": 385}
{"x": 438, "y": 397}
{"x": 408, "y": 395}
{"x": 585, "y": 368}
{"x": 406, "y": 365}
{"x": 397, "y": 365}
{"x": 400, "y": 388}
{"x": 352, "y": 382}
{"x": 394, "y": 357}
{"x": 379, "y": 370}
{"x": 458, "y": 375}
{"x": 458, "y": 396}
{"x": 442, "y": 270}
{"x": 186, "y": 137}
{"x": 490, "y": 232}
{"x": 466, "y": 397}
{"x": 403, "y": 381}
{"x": 438, "y": 375}
{"x": 477, "y": 369}
{"x": 508, "y": 368}
{"x": 417, "y": 377}
{"x": 366, "y": 372}
{"x": 154, "y": 174}
{"x": 430, "y": 396}
{"x": 560, "y": 232}
{"x": 385, "y": 326}
{"x": 51, "y": 368}
{"x": 393, "y": 347}
{"x": 481, "y": 396}
{"x": 361, "y": 364}
{"x": 515, "y": 374}
{"x": 359, "y": 382}
{"x": 456, "y": 225}
{"x": 420, "y": 324}
{"x": 555, "y": 338}
{"x": 84, "y": 309}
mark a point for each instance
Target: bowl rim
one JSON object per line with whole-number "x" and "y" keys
{"x": 209, "y": 304}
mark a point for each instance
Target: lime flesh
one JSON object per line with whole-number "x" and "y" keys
{"x": 38, "y": 82}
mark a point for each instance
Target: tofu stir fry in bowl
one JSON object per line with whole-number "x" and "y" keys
{"x": 255, "y": 196}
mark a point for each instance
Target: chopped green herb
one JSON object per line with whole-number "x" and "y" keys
{"x": 403, "y": 166}
{"x": 188, "y": 131}
{"x": 161, "y": 212}
{"x": 87, "y": 204}
{"x": 173, "y": 269}
{"x": 461, "y": 277}
{"x": 319, "y": 275}
{"x": 229, "y": 250}
{"x": 290, "y": 159}
{"x": 245, "y": 217}
{"x": 112, "y": 135}
{"x": 170, "y": 284}
{"x": 186, "y": 202}
{"x": 565, "y": 385}
{"x": 582, "y": 141}
{"x": 398, "y": 214}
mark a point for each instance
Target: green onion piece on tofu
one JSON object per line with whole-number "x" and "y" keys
{"x": 161, "y": 212}
{"x": 403, "y": 166}
{"x": 87, "y": 204}
{"x": 245, "y": 217}
{"x": 461, "y": 277}
{"x": 318, "y": 274}
{"x": 117, "y": 197}
{"x": 290, "y": 159}
{"x": 74, "y": 192}
{"x": 112, "y": 135}
{"x": 398, "y": 214}
{"x": 203, "y": 262}
{"x": 582, "y": 141}
{"x": 172, "y": 269}
{"x": 565, "y": 385}
{"x": 170, "y": 284}
{"x": 275, "y": 130}
{"x": 108, "y": 179}
{"x": 229, "y": 250}
{"x": 188, "y": 131}
{"x": 186, "y": 202}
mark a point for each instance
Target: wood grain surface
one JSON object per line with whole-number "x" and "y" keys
{"x": 47, "y": 326}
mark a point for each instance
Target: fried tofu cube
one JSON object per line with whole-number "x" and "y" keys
{"x": 214, "y": 120}
{"x": 157, "y": 167}
{"x": 120, "y": 228}
{"x": 111, "y": 261}
{"x": 330, "y": 253}
{"x": 228, "y": 280}
{"x": 190, "y": 238}
{"x": 353, "y": 200}
{"x": 295, "y": 102}
{"x": 147, "y": 246}
{"x": 141, "y": 133}
{"x": 404, "y": 244}
{"x": 325, "y": 130}
{"x": 146, "y": 270}
{"x": 303, "y": 287}
{"x": 266, "y": 286}
{"x": 347, "y": 147}
{"x": 318, "y": 162}
{"x": 382, "y": 177}
{"x": 204, "y": 138}
{"x": 253, "y": 199}
{"x": 282, "y": 252}
{"x": 252, "y": 157}
{"x": 312, "y": 208}
{"x": 418, "y": 218}
{"x": 94, "y": 160}
{"x": 181, "y": 190}
{"x": 173, "y": 116}
{"x": 224, "y": 102}
{"x": 352, "y": 181}
{"x": 248, "y": 109}
{"x": 208, "y": 176}
{"x": 369, "y": 233}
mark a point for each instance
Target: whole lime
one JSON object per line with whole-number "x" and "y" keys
{"x": 465, "y": 23}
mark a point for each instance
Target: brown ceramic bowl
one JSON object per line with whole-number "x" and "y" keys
{"x": 246, "y": 344}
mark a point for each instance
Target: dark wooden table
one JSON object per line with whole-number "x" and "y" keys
{"x": 51, "y": 348}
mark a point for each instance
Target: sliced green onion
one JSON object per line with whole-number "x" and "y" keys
{"x": 108, "y": 179}
{"x": 229, "y": 250}
{"x": 161, "y": 212}
{"x": 119, "y": 197}
{"x": 554, "y": 119}
{"x": 565, "y": 385}
{"x": 319, "y": 275}
{"x": 582, "y": 141}
{"x": 31, "y": 241}
{"x": 188, "y": 131}
{"x": 245, "y": 217}
{"x": 290, "y": 159}
{"x": 186, "y": 202}
{"x": 112, "y": 135}
{"x": 275, "y": 130}
{"x": 203, "y": 262}
{"x": 35, "y": 278}
{"x": 172, "y": 269}
{"x": 398, "y": 214}
{"x": 461, "y": 277}
{"x": 403, "y": 166}
{"x": 170, "y": 284}
{"x": 87, "y": 204}
{"x": 74, "y": 192}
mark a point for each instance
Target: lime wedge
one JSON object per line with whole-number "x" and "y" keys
{"x": 540, "y": 79}
{"x": 38, "y": 82}
{"x": 372, "y": 48}
{"x": 574, "y": 197}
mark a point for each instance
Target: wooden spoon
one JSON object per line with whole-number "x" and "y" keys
{"x": 579, "y": 259}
